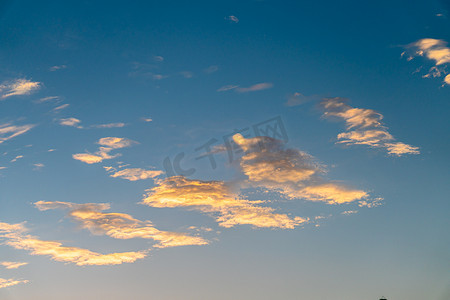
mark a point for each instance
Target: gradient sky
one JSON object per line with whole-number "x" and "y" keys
{"x": 325, "y": 173}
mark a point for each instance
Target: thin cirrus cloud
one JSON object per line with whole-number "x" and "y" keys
{"x": 74, "y": 122}
{"x": 133, "y": 174}
{"x": 9, "y": 131}
{"x": 232, "y": 19}
{"x": 71, "y": 122}
{"x": 291, "y": 172}
{"x": 18, "y": 87}
{"x": 217, "y": 199}
{"x": 4, "y": 283}
{"x": 364, "y": 127}
{"x": 120, "y": 226}
{"x": 109, "y": 125}
{"x": 252, "y": 88}
{"x": 435, "y": 50}
{"x": 15, "y": 235}
{"x": 61, "y": 107}
{"x": 12, "y": 265}
{"x": 107, "y": 144}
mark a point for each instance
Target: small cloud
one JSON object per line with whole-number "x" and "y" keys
{"x": 61, "y": 107}
{"x": 108, "y": 144}
{"x": 13, "y": 265}
{"x": 9, "y": 131}
{"x": 227, "y": 88}
{"x": 4, "y": 283}
{"x": 18, "y": 87}
{"x": 158, "y": 58}
{"x": 38, "y": 166}
{"x": 143, "y": 119}
{"x": 56, "y": 68}
{"x": 47, "y": 99}
{"x": 299, "y": 99}
{"x": 16, "y": 158}
{"x": 211, "y": 69}
{"x": 109, "y": 125}
{"x": 349, "y": 212}
{"x": 159, "y": 76}
{"x": 134, "y": 174}
{"x": 187, "y": 74}
{"x": 255, "y": 87}
{"x": 72, "y": 122}
{"x": 232, "y": 19}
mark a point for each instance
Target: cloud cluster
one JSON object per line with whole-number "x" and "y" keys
{"x": 120, "y": 226}
{"x": 364, "y": 127}
{"x": 18, "y": 87}
{"x": 291, "y": 172}
{"x": 435, "y": 50}
{"x": 15, "y": 235}
{"x": 219, "y": 200}
{"x": 9, "y": 131}
{"x": 107, "y": 145}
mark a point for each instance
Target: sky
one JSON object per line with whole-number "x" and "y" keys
{"x": 250, "y": 149}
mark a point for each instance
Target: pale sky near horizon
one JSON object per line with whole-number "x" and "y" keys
{"x": 224, "y": 150}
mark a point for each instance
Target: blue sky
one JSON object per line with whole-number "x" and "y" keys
{"x": 335, "y": 116}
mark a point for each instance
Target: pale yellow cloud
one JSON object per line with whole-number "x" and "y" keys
{"x": 18, "y": 87}
{"x": 255, "y": 87}
{"x": 107, "y": 145}
{"x": 217, "y": 199}
{"x": 72, "y": 122}
{"x": 13, "y": 265}
{"x": 119, "y": 225}
{"x": 9, "y": 131}
{"x": 134, "y": 174}
{"x": 290, "y": 172}
{"x": 4, "y": 283}
{"x": 367, "y": 127}
{"x": 447, "y": 79}
{"x": 15, "y": 236}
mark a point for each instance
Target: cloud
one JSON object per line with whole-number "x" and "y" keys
{"x": 367, "y": 126}
{"x": 299, "y": 99}
{"x": 4, "y": 283}
{"x": 61, "y": 107}
{"x": 447, "y": 79}
{"x": 56, "y": 68}
{"x": 108, "y": 144}
{"x": 211, "y": 69}
{"x": 158, "y": 58}
{"x": 110, "y": 125}
{"x": 290, "y": 172}
{"x": 146, "y": 119}
{"x": 227, "y": 88}
{"x": 187, "y": 74}
{"x": 18, "y": 87}
{"x": 134, "y": 174}
{"x": 47, "y": 99}
{"x": 38, "y": 166}
{"x": 13, "y": 265}
{"x": 232, "y": 19}
{"x": 16, "y": 237}
{"x": 433, "y": 49}
{"x": 72, "y": 122}
{"x": 217, "y": 199}
{"x": 9, "y": 131}
{"x": 120, "y": 226}
{"x": 255, "y": 87}
{"x": 16, "y": 158}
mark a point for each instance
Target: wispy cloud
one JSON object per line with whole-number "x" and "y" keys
{"x": 47, "y": 99}
{"x": 435, "y": 50}
{"x": 4, "y": 283}
{"x": 143, "y": 119}
{"x": 299, "y": 99}
{"x": 38, "y": 166}
{"x": 232, "y": 19}
{"x": 211, "y": 69}
{"x": 253, "y": 88}
{"x": 56, "y": 68}
{"x": 133, "y": 174}
{"x": 16, "y": 158}
{"x": 18, "y": 87}
{"x": 291, "y": 172}
{"x": 217, "y": 199}
{"x": 9, "y": 131}
{"x": 61, "y": 107}
{"x": 15, "y": 235}
{"x": 364, "y": 127}
{"x": 120, "y": 226}
{"x": 13, "y": 265}
{"x": 107, "y": 145}
{"x": 109, "y": 125}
